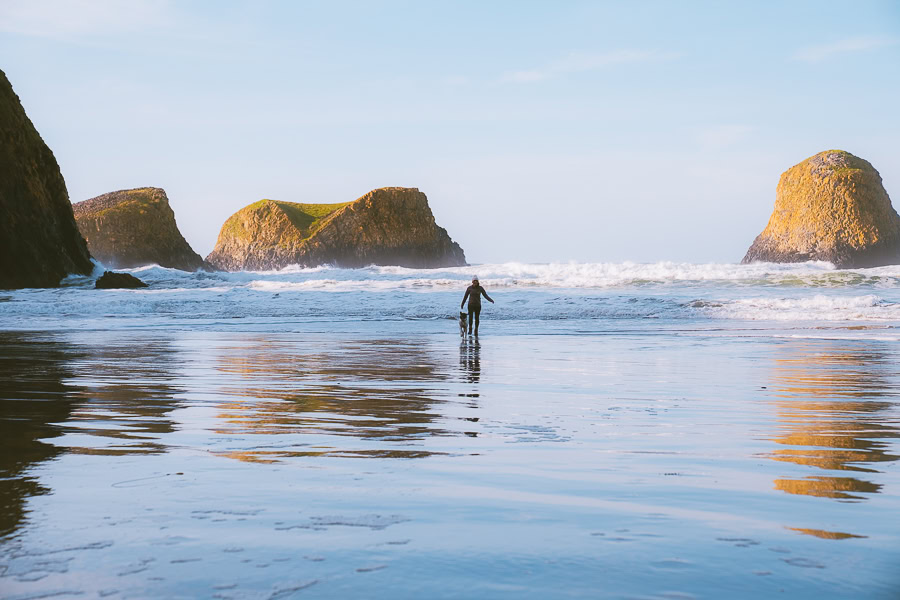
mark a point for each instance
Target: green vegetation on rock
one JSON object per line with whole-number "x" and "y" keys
{"x": 131, "y": 228}
{"x": 390, "y": 226}
{"x": 830, "y": 207}
{"x": 306, "y": 218}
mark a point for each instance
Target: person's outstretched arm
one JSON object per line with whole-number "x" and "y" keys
{"x": 464, "y": 298}
{"x": 484, "y": 293}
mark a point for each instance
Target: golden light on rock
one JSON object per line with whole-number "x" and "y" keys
{"x": 832, "y": 403}
{"x": 831, "y": 207}
{"x": 370, "y": 393}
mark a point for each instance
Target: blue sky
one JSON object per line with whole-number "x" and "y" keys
{"x": 540, "y": 131}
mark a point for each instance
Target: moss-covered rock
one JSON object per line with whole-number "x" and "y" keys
{"x": 387, "y": 226}
{"x": 39, "y": 241}
{"x": 831, "y": 207}
{"x": 131, "y": 228}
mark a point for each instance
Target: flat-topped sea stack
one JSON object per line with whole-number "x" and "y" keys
{"x": 132, "y": 228}
{"x": 387, "y": 226}
{"x": 39, "y": 241}
{"x": 831, "y": 207}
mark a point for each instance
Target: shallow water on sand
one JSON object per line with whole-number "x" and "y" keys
{"x": 350, "y": 457}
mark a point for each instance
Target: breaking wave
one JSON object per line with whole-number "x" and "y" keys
{"x": 613, "y": 292}
{"x": 816, "y": 308}
{"x": 522, "y": 275}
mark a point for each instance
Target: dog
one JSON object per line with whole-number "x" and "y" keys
{"x": 463, "y": 322}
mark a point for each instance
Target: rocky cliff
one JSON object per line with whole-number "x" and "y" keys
{"x": 131, "y": 228}
{"x": 387, "y": 226}
{"x": 39, "y": 241}
{"x": 830, "y": 207}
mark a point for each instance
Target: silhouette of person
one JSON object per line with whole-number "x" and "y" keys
{"x": 474, "y": 293}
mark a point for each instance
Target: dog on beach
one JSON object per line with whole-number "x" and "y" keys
{"x": 463, "y": 322}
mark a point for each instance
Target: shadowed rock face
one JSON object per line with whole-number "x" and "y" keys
{"x": 387, "y": 226}
{"x": 131, "y": 228}
{"x": 831, "y": 207}
{"x": 111, "y": 281}
{"x": 39, "y": 241}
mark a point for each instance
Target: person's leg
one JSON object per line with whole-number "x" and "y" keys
{"x": 477, "y": 318}
{"x": 471, "y": 319}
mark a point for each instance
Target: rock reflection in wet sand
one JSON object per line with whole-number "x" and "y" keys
{"x": 128, "y": 393}
{"x": 361, "y": 391}
{"x": 833, "y": 404}
{"x": 609, "y": 484}
{"x": 34, "y": 397}
{"x": 119, "y": 406}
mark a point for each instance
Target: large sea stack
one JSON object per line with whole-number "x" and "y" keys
{"x": 831, "y": 207}
{"x": 39, "y": 241}
{"x": 387, "y": 226}
{"x": 131, "y": 228}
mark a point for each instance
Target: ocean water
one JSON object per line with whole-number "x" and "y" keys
{"x": 617, "y": 431}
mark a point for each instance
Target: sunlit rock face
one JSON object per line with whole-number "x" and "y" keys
{"x": 39, "y": 241}
{"x": 831, "y": 207}
{"x": 132, "y": 228}
{"x": 387, "y": 226}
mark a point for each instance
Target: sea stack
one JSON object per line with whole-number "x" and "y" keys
{"x": 387, "y": 226}
{"x": 132, "y": 228}
{"x": 831, "y": 207}
{"x": 39, "y": 241}
{"x": 114, "y": 281}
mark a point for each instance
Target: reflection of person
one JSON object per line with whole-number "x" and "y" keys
{"x": 470, "y": 363}
{"x": 474, "y": 293}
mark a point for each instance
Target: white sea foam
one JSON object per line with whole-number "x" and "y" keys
{"x": 525, "y": 276}
{"x": 820, "y": 307}
{"x": 599, "y": 275}
{"x": 362, "y": 285}
{"x": 615, "y": 292}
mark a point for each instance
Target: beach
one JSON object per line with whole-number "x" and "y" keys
{"x": 616, "y": 431}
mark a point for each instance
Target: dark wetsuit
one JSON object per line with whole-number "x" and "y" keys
{"x": 474, "y": 294}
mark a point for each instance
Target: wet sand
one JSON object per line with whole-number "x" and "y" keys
{"x": 332, "y": 465}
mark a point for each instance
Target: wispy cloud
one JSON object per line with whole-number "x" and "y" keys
{"x": 845, "y": 46}
{"x": 73, "y": 18}
{"x": 581, "y": 62}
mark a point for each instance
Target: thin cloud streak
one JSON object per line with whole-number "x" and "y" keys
{"x": 581, "y": 62}
{"x": 845, "y": 46}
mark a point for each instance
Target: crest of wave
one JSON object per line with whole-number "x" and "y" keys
{"x": 577, "y": 275}
{"x": 525, "y": 275}
{"x": 815, "y": 308}
{"x": 600, "y": 275}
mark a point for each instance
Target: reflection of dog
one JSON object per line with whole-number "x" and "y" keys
{"x": 463, "y": 318}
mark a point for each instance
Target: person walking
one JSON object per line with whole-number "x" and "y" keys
{"x": 474, "y": 293}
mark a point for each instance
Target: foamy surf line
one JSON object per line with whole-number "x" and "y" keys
{"x": 358, "y": 285}
{"x": 579, "y": 276}
{"x": 514, "y": 275}
{"x": 816, "y": 308}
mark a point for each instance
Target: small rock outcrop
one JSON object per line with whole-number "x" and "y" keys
{"x": 132, "y": 228}
{"x": 387, "y": 226}
{"x": 110, "y": 280}
{"x": 831, "y": 207}
{"x": 39, "y": 241}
